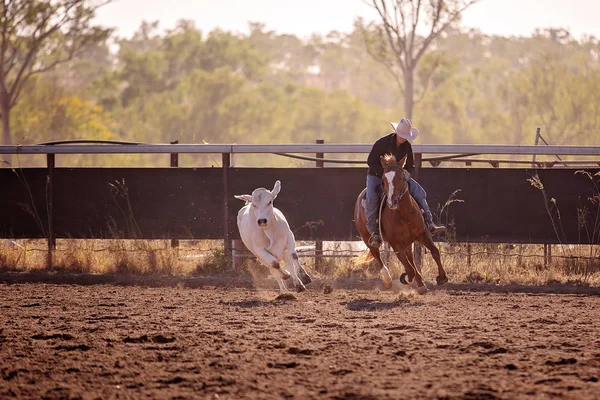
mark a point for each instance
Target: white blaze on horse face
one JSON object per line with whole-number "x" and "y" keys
{"x": 389, "y": 176}
{"x": 262, "y": 201}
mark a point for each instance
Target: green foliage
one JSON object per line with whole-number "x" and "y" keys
{"x": 220, "y": 87}
{"x": 52, "y": 112}
{"x": 38, "y": 36}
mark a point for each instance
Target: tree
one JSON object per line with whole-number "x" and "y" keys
{"x": 396, "y": 42}
{"x": 52, "y": 111}
{"x": 557, "y": 93}
{"x": 35, "y": 37}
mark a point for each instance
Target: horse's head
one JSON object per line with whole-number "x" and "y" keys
{"x": 395, "y": 184}
{"x": 261, "y": 201}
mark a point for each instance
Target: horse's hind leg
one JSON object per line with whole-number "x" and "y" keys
{"x": 427, "y": 241}
{"x": 415, "y": 278}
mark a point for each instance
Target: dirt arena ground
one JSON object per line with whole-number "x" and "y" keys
{"x": 103, "y": 339}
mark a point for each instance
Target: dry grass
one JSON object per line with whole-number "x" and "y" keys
{"x": 489, "y": 263}
{"x": 115, "y": 256}
{"x": 478, "y": 263}
{"x": 524, "y": 264}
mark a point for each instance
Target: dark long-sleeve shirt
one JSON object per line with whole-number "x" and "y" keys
{"x": 387, "y": 145}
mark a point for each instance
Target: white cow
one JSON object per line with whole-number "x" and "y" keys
{"x": 266, "y": 233}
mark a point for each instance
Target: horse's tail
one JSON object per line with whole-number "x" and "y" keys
{"x": 364, "y": 258}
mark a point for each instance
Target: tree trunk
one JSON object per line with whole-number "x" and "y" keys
{"x": 409, "y": 92}
{"x": 5, "y": 112}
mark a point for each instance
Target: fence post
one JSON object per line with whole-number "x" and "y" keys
{"x": 547, "y": 255}
{"x": 50, "y": 158}
{"x": 418, "y": 255}
{"x": 537, "y": 140}
{"x": 227, "y": 248}
{"x": 469, "y": 252}
{"x": 237, "y": 249}
{"x": 174, "y": 164}
{"x": 319, "y": 243}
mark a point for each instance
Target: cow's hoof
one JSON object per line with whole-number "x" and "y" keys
{"x": 305, "y": 278}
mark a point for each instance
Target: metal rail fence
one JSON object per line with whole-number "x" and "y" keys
{"x": 434, "y": 154}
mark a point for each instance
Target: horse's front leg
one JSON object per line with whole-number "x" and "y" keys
{"x": 413, "y": 274}
{"x": 384, "y": 271}
{"x": 427, "y": 241}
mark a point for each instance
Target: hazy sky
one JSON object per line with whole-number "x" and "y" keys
{"x": 303, "y": 17}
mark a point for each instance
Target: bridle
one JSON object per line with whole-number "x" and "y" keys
{"x": 401, "y": 194}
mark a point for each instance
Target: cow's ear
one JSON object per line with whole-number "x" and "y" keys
{"x": 276, "y": 190}
{"x": 244, "y": 197}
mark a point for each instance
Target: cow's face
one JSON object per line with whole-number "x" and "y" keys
{"x": 261, "y": 202}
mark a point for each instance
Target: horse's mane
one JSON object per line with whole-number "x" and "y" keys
{"x": 390, "y": 159}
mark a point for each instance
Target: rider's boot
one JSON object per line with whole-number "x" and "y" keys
{"x": 375, "y": 240}
{"x": 373, "y": 224}
{"x": 433, "y": 228}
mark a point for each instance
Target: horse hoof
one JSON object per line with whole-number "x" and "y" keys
{"x": 422, "y": 289}
{"x": 386, "y": 278}
{"x": 403, "y": 279}
{"x": 300, "y": 288}
{"x": 441, "y": 280}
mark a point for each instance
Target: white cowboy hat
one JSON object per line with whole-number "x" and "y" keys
{"x": 404, "y": 129}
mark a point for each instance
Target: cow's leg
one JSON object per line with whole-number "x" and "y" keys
{"x": 299, "y": 275}
{"x": 405, "y": 255}
{"x": 277, "y": 277}
{"x": 268, "y": 260}
{"x": 302, "y": 274}
{"x": 427, "y": 241}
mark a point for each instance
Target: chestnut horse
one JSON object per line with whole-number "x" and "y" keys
{"x": 400, "y": 223}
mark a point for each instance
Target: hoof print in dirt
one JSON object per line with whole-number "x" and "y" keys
{"x": 286, "y": 297}
{"x": 61, "y": 336}
{"x": 562, "y": 361}
{"x": 82, "y": 347}
{"x": 295, "y": 350}
{"x": 292, "y": 364}
{"x": 327, "y": 289}
{"x": 162, "y": 339}
{"x": 146, "y": 339}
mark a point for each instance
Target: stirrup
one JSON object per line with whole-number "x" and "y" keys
{"x": 375, "y": 240}
{"x": 435, "y": 229}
